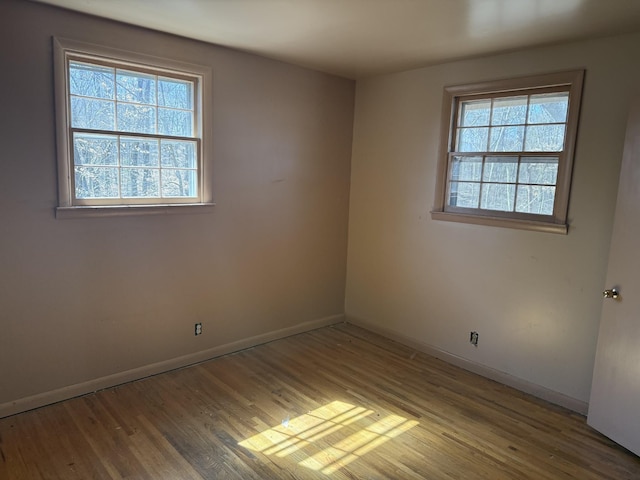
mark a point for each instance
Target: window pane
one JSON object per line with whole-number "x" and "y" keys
{"x": 540, "y": 170}
{"x": 545, "y": 138}
{"x": 549, "y": 108}
{"x": 175, "y": 93}
{"x": 464, "y": 194}
{"x": 96, "y": 182}
{"x": 474, "y": 113}
{"x": 497, "y": 196}
{"x": 509, "y": 111}
{"x": 94, "y": 114}
{"x": 136, "y": 118}
{"x": 466, "y": 168}
{"x": 91, "y": 80}
{"x": 179, "y": 183}
{"x": 472, "y": 139}
{"x": 178, "y": 154}
{"x": 90, "y": 149}
{"x": 175, "y": 122}
{"x": 535, "y": 199}
{"x": 140, "y": 182}
{"x": 139, "y": 152}
{"x": 136, "y": 87}
{"x": 506, "y": 139}
{"x": 500, "y": 169}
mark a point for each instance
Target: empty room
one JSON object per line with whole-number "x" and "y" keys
{"x": 287, "y": 239}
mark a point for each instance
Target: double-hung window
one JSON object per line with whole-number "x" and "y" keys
{"x": 507, "y": 153}
{"x": 131, "y": 130}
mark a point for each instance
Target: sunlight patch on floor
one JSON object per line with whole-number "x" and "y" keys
{"x": 300, "y": 433}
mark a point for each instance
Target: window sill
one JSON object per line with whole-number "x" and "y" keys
{"x": 547, "y": 227}
{"x": 129, "y": 210}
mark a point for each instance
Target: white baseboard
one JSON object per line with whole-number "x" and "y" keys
{"x": 34, "y": 401}
{"x": 64, "y": 393}
{"x": 539, "y": 391}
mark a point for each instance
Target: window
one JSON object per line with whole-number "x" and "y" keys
{"x": 131, "y": 131}
{"x": 507, "y": 154}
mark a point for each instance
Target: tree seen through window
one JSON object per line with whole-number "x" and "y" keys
{"x": 132, "y": 133}
{"x": 506, "y": 152}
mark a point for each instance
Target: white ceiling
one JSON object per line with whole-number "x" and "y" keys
{"x": 359, "y": 38}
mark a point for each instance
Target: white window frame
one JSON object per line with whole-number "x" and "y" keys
{"x": 557, "y": 222}
{"x": 66, "y": 50}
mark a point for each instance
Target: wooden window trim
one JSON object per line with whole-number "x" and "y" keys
{"x": 65, "y": 50}
{"x": 556, "y": 223}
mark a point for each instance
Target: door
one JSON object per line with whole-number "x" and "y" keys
{"x": 615, "y": 392}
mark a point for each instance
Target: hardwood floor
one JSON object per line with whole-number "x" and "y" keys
{"x": 339, "y": 403}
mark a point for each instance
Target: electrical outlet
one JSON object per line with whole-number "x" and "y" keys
{"x": 473, "y": 338}
{"x": 198, "y": 329}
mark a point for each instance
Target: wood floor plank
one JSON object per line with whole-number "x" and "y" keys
{"x": 339, "y": 402}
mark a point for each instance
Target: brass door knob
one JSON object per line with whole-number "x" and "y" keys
{"x": 613, "y": 293}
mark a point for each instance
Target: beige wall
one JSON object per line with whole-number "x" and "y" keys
{"x": 87, "y": 298}
{"x": 534, "y": 298}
